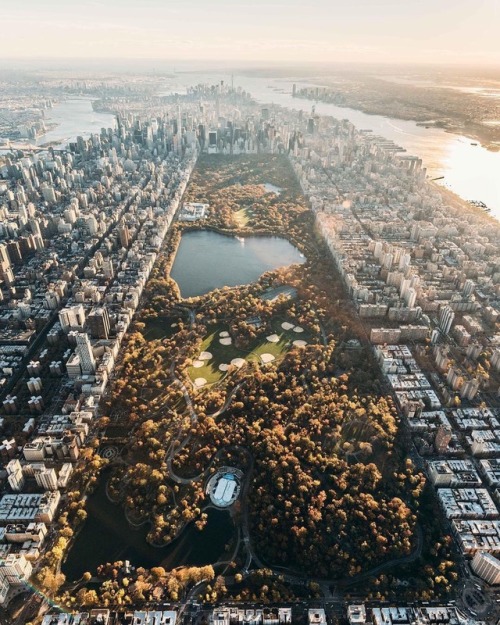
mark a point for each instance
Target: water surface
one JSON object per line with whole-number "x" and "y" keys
{"x": 74, "y": 117}
{"x": 208, "y": 260}
{"x": 106, "y": 536}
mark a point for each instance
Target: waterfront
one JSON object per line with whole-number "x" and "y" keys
{"x": 470, "y": 171}
{"x": 208, "y": 260}
{"x": 106, "y": 536}
{"x": 466, "y": 167}
{"x": 74, "y": 117}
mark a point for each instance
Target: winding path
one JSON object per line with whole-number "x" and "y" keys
{"x": 252, "y": 558}
{"x": 175, "y": 448}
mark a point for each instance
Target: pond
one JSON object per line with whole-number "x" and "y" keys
{"x": 107, "y": 537}
{"x": 208, "y": 260}
{"x": 271, "y": 188}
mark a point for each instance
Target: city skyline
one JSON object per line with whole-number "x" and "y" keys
{"x": 250, "y": 312}
{"x": 462, "y": 32}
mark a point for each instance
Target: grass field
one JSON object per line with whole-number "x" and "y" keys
{"x": 223, "y": 354}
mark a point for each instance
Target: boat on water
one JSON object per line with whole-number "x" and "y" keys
{"x": 479, "y": 204}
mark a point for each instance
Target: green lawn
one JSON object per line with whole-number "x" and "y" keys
{"x": 223, "y": 354}
{"x": 276, "y": 349}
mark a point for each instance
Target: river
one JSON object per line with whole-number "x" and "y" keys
{"x": 207, "y": 260}
{"x": 470, "y": 171}
{"x": 74, "y": 117}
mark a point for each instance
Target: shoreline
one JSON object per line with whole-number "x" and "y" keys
{"x": 452, "y": 197}
{"x": 450, "y": 126}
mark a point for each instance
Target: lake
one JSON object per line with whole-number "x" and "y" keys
{"x": 208, "y": 260}
{"x": 107, "y": 537}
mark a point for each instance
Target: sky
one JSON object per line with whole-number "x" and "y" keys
{"x": 375, "y": 31}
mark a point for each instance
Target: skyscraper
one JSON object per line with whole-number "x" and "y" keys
{"x": 443, "y": 438}
{"x": 6, "y": 273}
{"x": 124, "y": 235}
{"x": 107, "y": 268}
{"x": 84, "y": 352}
{"x": 446, "y": 316}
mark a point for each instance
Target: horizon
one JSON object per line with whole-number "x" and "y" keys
{"x": 199, "y": 65}
{"x": 284, "y": 31}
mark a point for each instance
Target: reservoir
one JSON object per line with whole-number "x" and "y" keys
{"x": 208, "y": 260}
{"x": 106, "y": 536}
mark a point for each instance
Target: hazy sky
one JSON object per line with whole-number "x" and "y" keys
{"x": 438, "y": 31}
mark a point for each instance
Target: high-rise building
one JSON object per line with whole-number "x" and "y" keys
{"x": 107, "y": 268}
{"x": 46, "y": 478}
{"x": 4, "y": 254}
{"x": 442, "y": 358}
{"x": 469, "y": 389}
{"x": 14, "y": 572}
{"x": 495, "y": 359}
{"x": 487, "y": 567}
{"x": 92, "y": 225}
{"x": 446, "y": 316}
{"x": 15, "y": 475}
{"x": 404, "y": 261}
{"x": 4, "y": 588}
{"x": 98, "y": 323}
{"x": 35, "y": 227}
{"x": 124, "y": 235}
{"x": 411, "y": 297}
{"x": 85, "y": 354}
{"x": 455, "y": 378}
{"x": 469, "y": 287}
{"x": 49, "y": 195}
{"x": 14, "y": 252}
{"x": 6, "y": 273}
{"x": 212, "y": 138}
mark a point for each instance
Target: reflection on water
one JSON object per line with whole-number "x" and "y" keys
{"x": 207, "y": 260}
